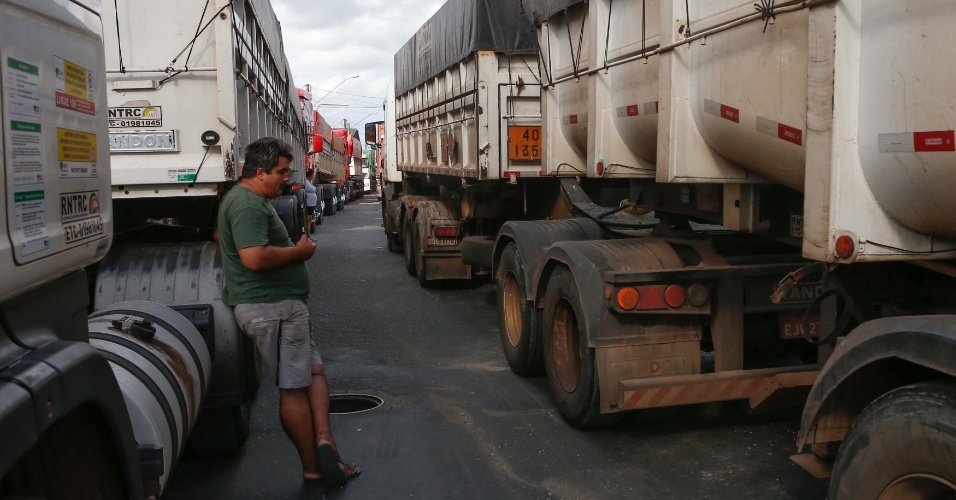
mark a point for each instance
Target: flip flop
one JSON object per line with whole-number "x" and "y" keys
{"x": 331, "y": 473}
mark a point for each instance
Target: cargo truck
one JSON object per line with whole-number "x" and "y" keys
{"x": 758, "y": 211}
{"x": 460, "y": 96}
{"x": 356, "y": 166}
{"x": 189, "y": 84}
{"x": 330, "y": 164}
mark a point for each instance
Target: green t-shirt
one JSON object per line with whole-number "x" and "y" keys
{"x": 248, "y": 220}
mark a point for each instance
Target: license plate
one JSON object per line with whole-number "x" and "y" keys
{"x": 152, "y": 141}
{"x": 791, "y": 325}
{"x": 524, "y": 143}
{"x": 441, "y": 242}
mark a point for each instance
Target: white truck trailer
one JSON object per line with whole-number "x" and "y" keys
{"x": 467, "y": 134}
{"x": 189, "y": 84}
{"x": 779, "y": 176}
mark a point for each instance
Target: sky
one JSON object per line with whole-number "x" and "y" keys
{"x": 328, "y": 41}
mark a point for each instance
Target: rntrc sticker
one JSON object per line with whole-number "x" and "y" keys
{"x": 76, "y": 206}
{"x": 136, "y": 116}
{"x": 80, "y": 214}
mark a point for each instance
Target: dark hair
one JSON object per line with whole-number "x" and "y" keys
{"x": 265, "y": 153}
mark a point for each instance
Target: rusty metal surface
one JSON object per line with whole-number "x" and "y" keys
{"x": 813, "y": 464}
{"x": 439, "y": 262}
{"x": 783, "y": 386}
{"x": 534, "y": 237}
{"x": 589, "y": 261}
{"x": 689, "y": 389}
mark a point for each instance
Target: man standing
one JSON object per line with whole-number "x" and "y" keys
{"x": 267, "y": 282}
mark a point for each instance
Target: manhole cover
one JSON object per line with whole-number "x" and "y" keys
{"x": 340, "y": 404}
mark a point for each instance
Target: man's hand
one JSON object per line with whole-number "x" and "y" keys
{"x": 306, "y": 247}
{"x": 267, "y": 258}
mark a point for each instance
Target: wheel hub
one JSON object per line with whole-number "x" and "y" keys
{"x": 924, "y": 486}
{"x": 511, "y": 300}
{"x": 567, "y": 358}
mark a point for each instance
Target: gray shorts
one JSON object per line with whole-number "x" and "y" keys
{"x": 283, "y": 334}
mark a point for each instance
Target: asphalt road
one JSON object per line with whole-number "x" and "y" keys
{"x": 457, "y": 423}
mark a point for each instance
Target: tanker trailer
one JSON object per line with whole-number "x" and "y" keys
{"x": 786, "y": 172}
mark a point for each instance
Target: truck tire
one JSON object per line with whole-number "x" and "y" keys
{"x": 517, "y": 324}
{"x": 901, "y": 446}
{"x": 394, "y": 244}
{"x": 75, "y": 457}
{"x": 291, "y": 214}
{"x": 569, "y": 361}
{"x": 408, "y": 247}
{"x": 329, "y": 207}
{"x": 220, "y": 431}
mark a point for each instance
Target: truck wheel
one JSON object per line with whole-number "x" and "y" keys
{"x": 409, "y": 246}
{"x": 517, "y": 323}
{"x": 394, "y": 245}
{"x": 420, "y": 258}
{"x": 568, "y": 361}
{"x": 76, "y": 457}
{"x": 220, "y": 431}
{"x": 329, "y": 209}
{"x": 901, "y": 446}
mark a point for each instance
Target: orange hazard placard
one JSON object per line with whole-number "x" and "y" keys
{"x": 524, "y": 143}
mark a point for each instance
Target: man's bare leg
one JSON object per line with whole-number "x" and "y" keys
{"x": 319, "y": 403}
{"x": 295, "y": 413}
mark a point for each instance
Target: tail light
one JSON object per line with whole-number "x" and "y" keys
{"x": 675, "y": 296}
{"x": 844, "y": 246}
{"x": 445, "y": 231}
{"x": 653, "y": 297}
{"x": 628, "y": 298}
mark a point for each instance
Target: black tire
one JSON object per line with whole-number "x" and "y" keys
{"x": 420, "y": 270}
{"x": 319, "y": 215}
{"x": 408, "y": 247}
{"x": 517, "y": 317}
{"x": 301, "y": 211}
{"x": 329, "y": 207}
{"x": 901, "y": 446}
{"x": 394, "y": 244}
{"x": 569, "y": 362}
{"x": 220, "y": 431}
{"x": 74, "y": 458}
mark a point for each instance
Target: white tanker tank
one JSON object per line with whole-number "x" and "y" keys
{"x": 845, "y": 101}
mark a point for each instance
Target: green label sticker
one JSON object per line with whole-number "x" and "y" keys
{"x": 24, "y": 127}
{"x": 186, "y": 177}
{"x": 27, "y": 196}
{"x": 22, "y": 66}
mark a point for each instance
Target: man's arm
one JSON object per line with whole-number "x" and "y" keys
{"x": 268, "y": 258}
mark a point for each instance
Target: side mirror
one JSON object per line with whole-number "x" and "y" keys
{"x": 371, "y": 132}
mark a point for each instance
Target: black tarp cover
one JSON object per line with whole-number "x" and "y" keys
{"x": 542, "y": 10}
{"x": 459, "y": 28}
